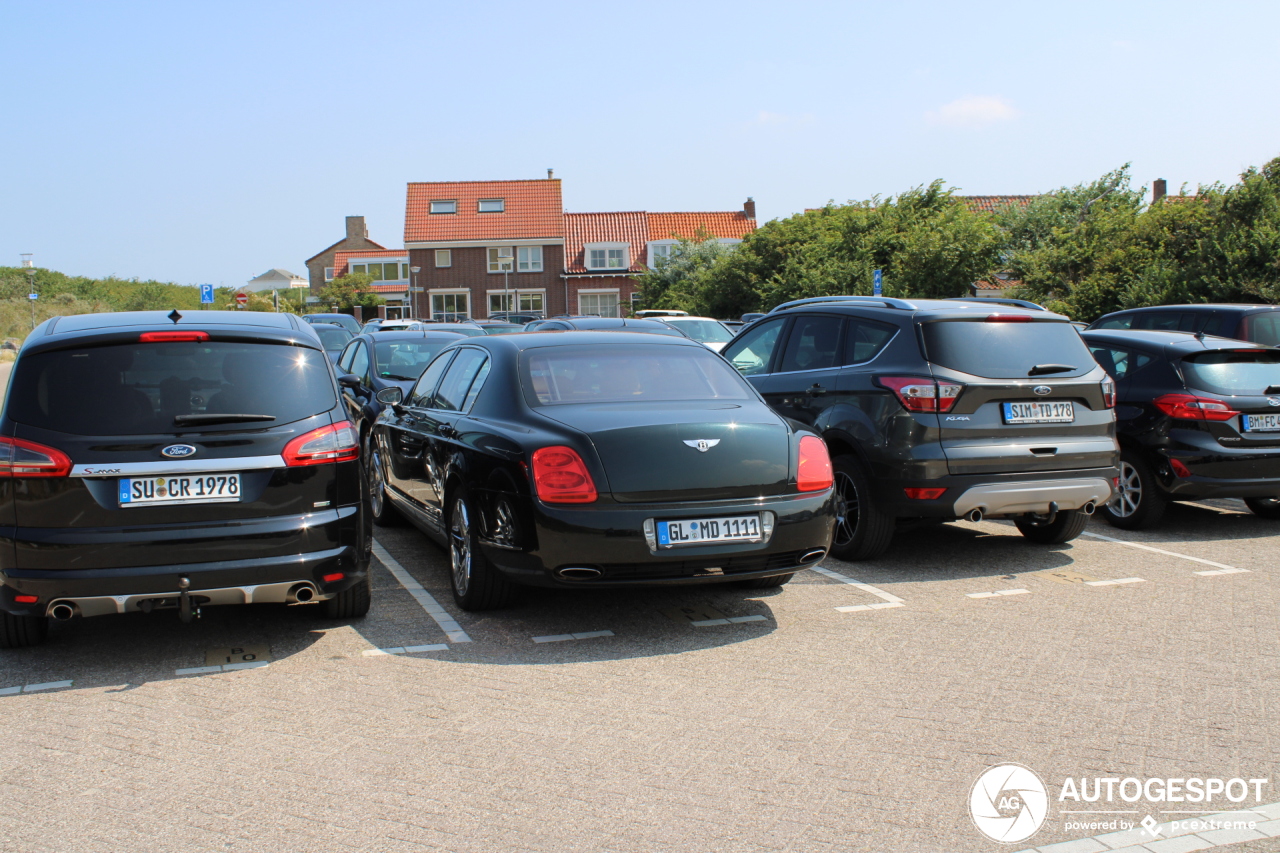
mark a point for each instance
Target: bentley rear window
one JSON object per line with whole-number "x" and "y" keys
{"x": 627, "y": 373}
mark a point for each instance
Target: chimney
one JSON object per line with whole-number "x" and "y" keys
{"x": 356, "y": 229}
{"x": 551, "y": 173}
{"x": 749, "y": 208}
{"x": 1159, "y": 189}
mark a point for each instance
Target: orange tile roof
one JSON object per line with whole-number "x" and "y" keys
{"x": 533, "y": 210}
{"x": 729, "y": 224}
{"x": 341, "y": 259}
{"x": 993, "y": 203}
{"x": 631, "y": 227}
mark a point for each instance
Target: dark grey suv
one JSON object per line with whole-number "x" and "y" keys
{"x": 941, "y": 409}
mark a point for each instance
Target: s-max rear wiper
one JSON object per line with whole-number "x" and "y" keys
{"x": 395, "y": 376}
{"x": 1042, "y": 369}
{"x": 184, "y": 420}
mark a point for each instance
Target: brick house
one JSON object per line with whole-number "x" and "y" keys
{"x": 320, "y": 265}
{"x": 390, "y": 271}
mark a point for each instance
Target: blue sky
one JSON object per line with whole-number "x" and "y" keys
{"x": 198, "y": 142}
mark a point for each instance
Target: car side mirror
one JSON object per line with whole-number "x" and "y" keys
{"x": 390, "y": 396}
{"x": 349, "y": 380}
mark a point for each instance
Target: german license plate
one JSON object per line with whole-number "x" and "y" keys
{"x": 700, "y": 531}
{"x": 1260, "y": 423}
{"x": 1040, "y": 412}
{"x": 180, "y": 489}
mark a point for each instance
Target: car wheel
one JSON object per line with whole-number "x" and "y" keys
{"x": 862, "y": 531}
{"x": 1138, "y": 503}
{"x": 477, "y": 585}
{"x": 1067, "y": 525}
{"x": 351, "y": 603}
{"x": 384, "y": 514}
{"x": 766, "y": 583}
{"x": 18, "y": 632}
{"x": 1264, "y": 507}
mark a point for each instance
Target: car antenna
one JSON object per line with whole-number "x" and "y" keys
{"x": 175, "y": 316}
{"x": 1200, "y": 335}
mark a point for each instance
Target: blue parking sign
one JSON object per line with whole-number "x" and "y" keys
{"x": 878, "y": 286}
{"x": 206, "y": 294}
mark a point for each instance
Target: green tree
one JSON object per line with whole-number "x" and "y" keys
{"x": 351, "y": 290}
{"x": 684, "y": 279}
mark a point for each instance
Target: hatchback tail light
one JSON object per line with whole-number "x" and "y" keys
{"x": 814, "y": 473}
{"x": 21, "y": 458}
{"x": 1179, "y": 468}
{"x": 1193, "y": 408}
{"x": 922, "y": 395}
{"x": 561, "y": 477}
{"x": 335, "y": 443}
{"x": 1108, "y": 392}
{"x": 924, "y": 494}
{"x": 169, "y": 337}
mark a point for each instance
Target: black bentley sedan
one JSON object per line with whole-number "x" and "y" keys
{"x": 598, "y": 459}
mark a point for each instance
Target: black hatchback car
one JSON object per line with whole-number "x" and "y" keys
{"x": 1257, "y": 323}
{"x": 586, "y": 460}
{"x": 158, "y": 461}
{"x": 1199, "y": 417}
{"x": 940, "y": 409}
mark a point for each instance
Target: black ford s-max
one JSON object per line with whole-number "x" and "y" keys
{"x": 165, "y": 461}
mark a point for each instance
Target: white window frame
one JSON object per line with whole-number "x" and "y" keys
{"x": 601, "y": 291}
{"x": 446, "y": 206}
{"x": 501, "y": 205}
{"x": 606, "y": 248}
{"x": 499, "y": 262}
{"x": 328, "y": 273}
{"x": 528, "y": 259}
{"x": 465, "y": 293}
{"x": 653, "y": 253}
{"x": 542, "y": 301}
{"x": 445, "y": 255}
{"x": 401, "y": 264}
{"x": 491, "y": 295}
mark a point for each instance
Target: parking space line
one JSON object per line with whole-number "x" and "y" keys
{"x": 996, "y": 593}
{"x": 560, "y": 638}
{"x": 34, "y": 688}
{"x": 441, "y": 616}
{"x": 1209, "y": 572}
{"x": 865, "y": 587}
{"x": 728, "y": 620}
{"x": 407, "y": 650}
{"x": 1115, "y": 582}
{"x": 1160, "y": 551}
{"x": 854, "y": 608}
{"x": 226, "y": 667}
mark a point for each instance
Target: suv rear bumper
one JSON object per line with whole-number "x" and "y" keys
{"x": 1020, "y": 498}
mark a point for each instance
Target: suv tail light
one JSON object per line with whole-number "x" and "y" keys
{"x": 169, "y": 337}
{"x": 814, "y": 473}
{"x": 335, "y": 443}
{"x": 1108, "y": 392}
{"x": 1008, "y": 318}
{"x": 21, "y": 458}
{"x": 1193, "y": 408}
{"x": 561, "y": 477}
{"x": 922, "y": 395}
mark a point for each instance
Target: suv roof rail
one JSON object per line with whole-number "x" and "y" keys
{"x": 886, "y": 301}
{"x": 1000, "y": 300}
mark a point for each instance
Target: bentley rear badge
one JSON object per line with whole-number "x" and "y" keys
{"x": 702, "y": 445}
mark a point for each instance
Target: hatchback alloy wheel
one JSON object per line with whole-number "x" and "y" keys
{"x": 460, "y": 546}
{"x": 377, "y": 492}
{"x": 846, "y": 496}
{"x": 1137, "y": 502}
{"x": 1128, "y": 496}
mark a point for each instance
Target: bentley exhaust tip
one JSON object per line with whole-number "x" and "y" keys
{"x": 578, "y": 573}
{"x": 1089, "y": 508}
{"x": 302, "y": 593}
{"x": 63, "y": 611}
{"x": 813, "y": 556}
{"x": 975, "y": 514}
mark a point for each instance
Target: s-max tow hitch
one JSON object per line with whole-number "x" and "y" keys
{"x": 186, "y": 612}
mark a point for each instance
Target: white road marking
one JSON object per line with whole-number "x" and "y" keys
{"x": 34, "y": 688}
{"x": 1120, "y": 581}
{"x": 730, "y": 620}
{"x": 406, "y": 650}
{"x": 1208, "y": 572}
{"x": 226, "y": 667}
{"x": 1160, "y": 551}
{"x": 854, "y": 608}
{"x": 997, "y": 592}
{"x": 560, "y": 638}
{"x": 865, "y": 587}
{"x": 446, "y": 622}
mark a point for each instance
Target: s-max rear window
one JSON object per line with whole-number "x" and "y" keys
{"x": 1232, "y": 372}
{"x": 139, "y": 389}
{"x": 627, "y": 373}
{"x": 1006, "y": 350}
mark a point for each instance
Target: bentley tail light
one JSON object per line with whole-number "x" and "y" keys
{"x": 814, "y": 473}
{"x": 561, "y": 477}
{"x": 335, "y": 443}
{"x": 21, "y": 458}
{"x": 1193, "y": 408}
{"x": 922, "y": 395}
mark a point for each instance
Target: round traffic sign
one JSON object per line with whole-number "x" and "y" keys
{"x": 242, "y": 299}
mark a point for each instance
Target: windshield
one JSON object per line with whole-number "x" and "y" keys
{"x": 133, "y": 389}
{"x": 627, "y": 373}
{"x": 1005, "y": 350}
{"x": 1240, "y": 372}
{"x": 703, "y": 331}
{"x": 405, "y": 359}
{"x": 333, "y": 338}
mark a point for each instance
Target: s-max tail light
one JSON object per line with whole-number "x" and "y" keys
{"x": 922, "y": 395}
{"x": 1108, "y": 392}
{"x": 1193, "y": 408}
{"x": 170, "y": 337}
{"x": 334, "y": 443}
{"x": 814, "y": 473}
{"x": 924, "y": 494}
{"x": 1008, "y": 318}
{"x": 22, "y": 458}
{"x": 561, "y": 477}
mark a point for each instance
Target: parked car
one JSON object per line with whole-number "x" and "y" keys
{"x": 1257, "y": 323}
{"x": 940, "y": 410}
{"x": 520, "y": 317}
{"x": 373, "y": 362}
{"x": 607, "y": 324}
{"x": 397, "y": 326}
{"x": 174, "y": 462}
{"x": 468, "y": 329}
{"x": 650, "y": 313}
{"x": 710, "y": 333}
{"x": 586, "y": 461}
{"x": 371, "y": 326}
{"x": 332, "y": 337}
{"x": 491, "y": 328}
{"x": 346, "y": 321}
{"x": 1198, "y": 417}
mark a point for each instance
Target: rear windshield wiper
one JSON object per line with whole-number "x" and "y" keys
{"x": 184, "y": 420}
{"x": 1042, "y": 369}
{"x": 394, "y": 376}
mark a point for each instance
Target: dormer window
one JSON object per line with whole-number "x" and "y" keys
{"x": 491, "y": 205}
{"x": 607, "y": 256}
{"x": 445, "y": 206}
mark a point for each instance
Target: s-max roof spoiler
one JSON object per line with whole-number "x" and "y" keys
{"x": 886, "y": 301}
{"x": 1019, "y": 303}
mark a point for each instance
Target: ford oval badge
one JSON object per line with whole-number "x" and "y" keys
{"x": 1043, "y": 390}
{"x": 178, "y": 451}
{"x": 1273, "y": 401}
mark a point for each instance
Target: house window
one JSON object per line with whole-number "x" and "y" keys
{"x": 529, "y": 259}
{"x": 450, "y": 305}
{"x": 660, "y": 251}
{"x": 500, "y": 301}
{"x": 524, "y": 301}
{"x": 636, "y": 301}
{"x": 491, "y": 205}
{"x": 358, "y": 268}
{"x": 601, "y": 302}
{"x": 500, "y": 259}
{"x": 444, "y": 206}
{"x": 404, "y": 272}
{"x": 328, "y": 273}
{"x": 533, "y": 301}
{"x": 606, "y": 256}
{"x": 444, "y": 257}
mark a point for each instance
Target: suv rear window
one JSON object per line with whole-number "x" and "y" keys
{"x": 1232, "y": 372}
{"x": 135, "y": 389}
{"x": 1006, "y": 350}
{"x": 627, "y": 373}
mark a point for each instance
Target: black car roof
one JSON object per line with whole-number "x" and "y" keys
{"x": 563, "y": 337}
{"x": 412, "y": 335}
{"x": 1179, "y": 343}
{"x": 64, "y": 331}
{"x": 1199, "y": 308}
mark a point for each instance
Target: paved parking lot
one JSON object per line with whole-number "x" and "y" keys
{"x": 852, "y": 709}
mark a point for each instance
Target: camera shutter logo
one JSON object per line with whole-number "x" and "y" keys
{"x": 1008, "y": 803}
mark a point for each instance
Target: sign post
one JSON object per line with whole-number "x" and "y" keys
{"x": 206, "y": 295}
{"x": 877, "y": 288}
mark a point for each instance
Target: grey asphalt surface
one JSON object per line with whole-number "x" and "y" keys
{"x": 807, "y": 729}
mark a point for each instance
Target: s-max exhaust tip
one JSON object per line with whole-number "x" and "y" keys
{"x": 578, "y": 573}
{"x": 303, "y": 593}
{"x": 1089, "y": 508}
{"x": 62, "y": 611}
{"x": 974, "y": 515}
